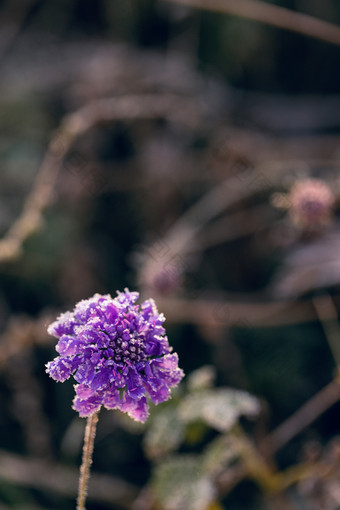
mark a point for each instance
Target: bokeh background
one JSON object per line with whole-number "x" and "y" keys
{"x": 152, "y": 145}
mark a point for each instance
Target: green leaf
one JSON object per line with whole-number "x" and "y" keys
{"x": 220, "y": 408}
{"x": 202, "y": 378}
{"x": 181, "y": 484}
{"x": 165, "y": 433}
{"x": 219, "y": 454}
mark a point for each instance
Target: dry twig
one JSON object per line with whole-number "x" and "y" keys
{"x": 13, "y": 16}
{"x": 303, "y": 417}
{"x": 328, "y": 316}
{"x": 55, "y": 478}
{"x": 105, "y": 110}
{"x": 269, "y": 14}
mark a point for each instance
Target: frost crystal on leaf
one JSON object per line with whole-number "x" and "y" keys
{"x": 164, "y": 434}
{"x": 219, "y": 408}
{"x": 117, "y": 352}
{"x": 179, "y": 483}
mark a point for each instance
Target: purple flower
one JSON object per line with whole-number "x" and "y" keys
{"x": 117, "y": 352}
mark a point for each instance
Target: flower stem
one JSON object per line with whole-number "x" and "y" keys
{"x": 90, "y": 433}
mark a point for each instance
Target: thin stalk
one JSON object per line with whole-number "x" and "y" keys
{"x": 90, "y": 433}
{"x": 328, "y": 317}
{"x": 270, "y": 14}
{"x": 255, "y": 464}
{"x": 302, "y": 418}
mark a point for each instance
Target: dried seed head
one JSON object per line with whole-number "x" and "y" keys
{"x": 310, "y": 204}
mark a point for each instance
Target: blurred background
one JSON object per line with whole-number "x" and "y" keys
{"x": 188, "y": 150}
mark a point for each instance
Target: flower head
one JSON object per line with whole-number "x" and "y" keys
{"x": 117, "y": 352}
{"x": 311, "y": 203}
{"x": 160, "y": 277}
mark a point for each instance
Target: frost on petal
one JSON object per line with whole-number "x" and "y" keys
{"x": 83, "y": 391}
{"x": 88, "y": 308}
{"x": 101, "y": 379}
{"x": 60, "y": 369}
{"x": 156, "y": 346}
{"x": 157, "y": 391}
{"x": 141, "y": 410}
{"x": 127, "y": 298}
{"x": 111, "y": 399}
{"x": 85, "y": 374}
{"x": 90, "y": 335}
{"x": 69, "y": 345}
{"x": 88, "y": 406}
{"x": 149, "y": 309}
{"x": 134, "y": 385}
{"x": 167, "y": 369}
{"x": 111, "y": 311}
{"x": 160, "y": 376}
{"x": 136, "y": 409}
{"x": 117, "y": 351}
{"x": 64, "y": 325}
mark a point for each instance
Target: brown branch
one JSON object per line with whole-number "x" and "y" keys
{"x": 105, "y": 110}
{"x": 12, "y": 17}
{"x": 303, "y": 417}
{"x": 328, "y": 316}
{"x": 234, "y": 226}
{"x": 269, "y": 14}
{"x": 181, "y": 237}
{"x": 23, "y": 332}
{"x": 256, "y": 311}
{"x": 55, "y": 478}
{"x": 229, "y": 312}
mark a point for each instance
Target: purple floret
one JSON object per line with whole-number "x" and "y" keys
{"x": 117, "y": 352}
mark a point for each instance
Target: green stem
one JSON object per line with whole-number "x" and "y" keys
{"x": 90, "y": 433}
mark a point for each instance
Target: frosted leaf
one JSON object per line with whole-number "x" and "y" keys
{"x": 219, "y": 454}
{"x": 220, "y": 408}
{"x": 202, "y": 378}
{"x": 165, "y": 433}
{"x": 180, "y": 484}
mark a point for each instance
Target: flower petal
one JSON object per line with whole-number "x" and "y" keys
{"x": 136, "y": 409}
{"x": 69, "y": 345}
{"x": 117, "y": 351}
{"x": 101, "y": 379}
{"x": 87, "y": 406}
{"x": 134, "y": 384}
{"x": 85, "y": 374}
{"x": 111, "y": 399}
{"x": 83, "y": 391}
{"x": 156, "y": 346}
{"x": 158, "y": 392}
{"x": 167, "y": 370}
{"x": 111, "y": 311}
{"x": 149, "y": 309}
{"x": 64, "y": 325}
{"x": 60, "y": 368}
{"x": 89, "y": 335}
